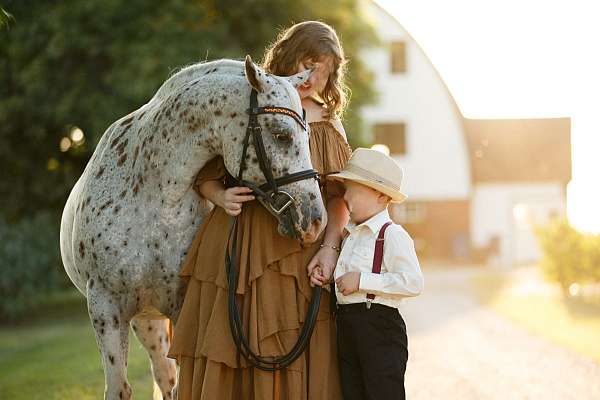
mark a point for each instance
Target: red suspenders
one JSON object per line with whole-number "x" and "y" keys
{"x": 377, "y": 257}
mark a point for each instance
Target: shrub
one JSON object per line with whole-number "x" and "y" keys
{"x": 30, "y": 262}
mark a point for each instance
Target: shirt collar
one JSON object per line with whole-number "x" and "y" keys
{"x": 374, "y": 223}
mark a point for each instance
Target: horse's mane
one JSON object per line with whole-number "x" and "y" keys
{"x": 190, "y": 72}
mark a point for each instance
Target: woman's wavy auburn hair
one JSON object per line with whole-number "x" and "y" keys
{"x": 311, "y": 40}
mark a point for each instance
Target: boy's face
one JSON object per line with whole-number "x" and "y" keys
{"x": 362, "y": 201}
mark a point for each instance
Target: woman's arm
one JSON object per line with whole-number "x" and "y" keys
{"x": 326, "y": 257}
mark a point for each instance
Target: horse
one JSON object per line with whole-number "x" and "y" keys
{"x": 133, "y": 213}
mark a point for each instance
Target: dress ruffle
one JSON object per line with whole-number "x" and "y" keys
{"x": 273, "y": 294}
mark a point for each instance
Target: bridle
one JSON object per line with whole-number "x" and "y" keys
{"x": 271, "y": 194}
{"x": 269, "y": 190}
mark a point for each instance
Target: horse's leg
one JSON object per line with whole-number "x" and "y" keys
{"x": 154, "y": 336}
{"x": 112, "y": 336}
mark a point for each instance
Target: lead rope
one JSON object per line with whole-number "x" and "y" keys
{"x": 235, "y": 320}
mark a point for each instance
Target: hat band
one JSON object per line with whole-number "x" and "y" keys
{"x": 371, "y": 176}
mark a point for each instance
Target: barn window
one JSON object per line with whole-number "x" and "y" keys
{"x": 398, "y": 57}
{"x": 393, "y": 135}
{"x": 409, "y": 212}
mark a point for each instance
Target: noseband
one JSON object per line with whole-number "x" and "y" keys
{"x": 269, "y": 192}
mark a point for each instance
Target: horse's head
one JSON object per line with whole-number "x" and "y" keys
{"x": 276, "y": 160}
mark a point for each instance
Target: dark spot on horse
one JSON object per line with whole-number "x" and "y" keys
{"x": 233, "y": 115}
{"x": 224, "y": 97}
{"x": 149, "y": 328}
{"x": 218, "y": 113}
{"x": 100, "y": 172}
{"x": 116, "y": 209}
{"x": 122, "y": 159}
{"x": 135, "y": 155}
{"x": 121, "y": 271}
{"x": 121, "y": 147}
{"x": 115, "y": 321}
{"x": 111, "y": 358}
{"x": 102, "y": 331}
{"x": 120, "y": 394}
{"x": 153, "y": 347}
{"x": 108, "y": 203}
{"x": 94, "y": 256}
{"x": 106, "y": 248}
{"x": 91, "y": 286}
{"x": 127, "y": 121}
{"x": 125, "y": 242}
{"x": 81, "y": 249}
{"x": 135, "y": 189}
{"x": 211, "y": 101}
{"x": 172, "y": 381}
{"x": 123, "y": 193}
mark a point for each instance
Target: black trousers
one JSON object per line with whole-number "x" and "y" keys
{"x": 372, "y": 352}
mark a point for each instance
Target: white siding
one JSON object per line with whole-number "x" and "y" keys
{"x": 511, "y": 212}
{"x": 436, "y": 163}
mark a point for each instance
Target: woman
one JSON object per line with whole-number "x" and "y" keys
{"x": 275, "y": 268}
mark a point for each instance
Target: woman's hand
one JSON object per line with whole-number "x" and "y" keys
{"x": 228, "y": 199}
{"x": 321, "y": 267}
{"x": 231, "y": 199}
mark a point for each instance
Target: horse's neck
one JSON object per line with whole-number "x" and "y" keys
{"x": 192, "y": 134}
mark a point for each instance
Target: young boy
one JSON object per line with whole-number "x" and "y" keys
{"x": 376, "y": 269}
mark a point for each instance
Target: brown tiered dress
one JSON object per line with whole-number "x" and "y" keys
{"x": 274, "y": 294}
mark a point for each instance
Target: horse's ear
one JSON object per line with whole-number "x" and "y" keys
{"x": 299, "y": 78}
{"x": 254, "y": 75}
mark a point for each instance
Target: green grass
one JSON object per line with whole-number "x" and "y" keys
{"x": 52, "y": 354}
{"x": 570, "y": 322}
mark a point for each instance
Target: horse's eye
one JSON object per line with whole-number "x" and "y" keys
{"x": 283, "y": 137}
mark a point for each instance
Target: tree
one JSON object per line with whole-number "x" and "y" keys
{"x": 84, "y": 64}
{"x": 5, "y": 18}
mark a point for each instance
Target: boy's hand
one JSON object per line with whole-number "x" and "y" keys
{"x": 348, "y": 283}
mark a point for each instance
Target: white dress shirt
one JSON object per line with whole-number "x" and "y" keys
{"x": 400, "y": 275}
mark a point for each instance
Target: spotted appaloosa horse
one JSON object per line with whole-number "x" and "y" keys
{"x": 132, "y": 214}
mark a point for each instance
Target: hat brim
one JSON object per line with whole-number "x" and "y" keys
{"x": 395, "y": 195}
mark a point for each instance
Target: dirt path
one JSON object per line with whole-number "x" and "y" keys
{"x": 460, "y": 349}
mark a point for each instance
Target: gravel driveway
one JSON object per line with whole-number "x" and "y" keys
{"x": 460, "y": 349}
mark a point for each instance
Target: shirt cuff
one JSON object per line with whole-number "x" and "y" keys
{"x": 369, "y": 282}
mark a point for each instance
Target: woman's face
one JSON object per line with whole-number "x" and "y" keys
{"x": 322, "y": 68}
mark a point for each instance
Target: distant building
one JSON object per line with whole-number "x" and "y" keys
{"x": 477, "y": 188}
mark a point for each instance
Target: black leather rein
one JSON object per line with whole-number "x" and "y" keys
{"x": 269, "y": 192}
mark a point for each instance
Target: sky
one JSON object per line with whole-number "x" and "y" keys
{"x": 521, "y": 59}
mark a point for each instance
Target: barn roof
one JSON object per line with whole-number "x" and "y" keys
{"x": 519, "y": 150}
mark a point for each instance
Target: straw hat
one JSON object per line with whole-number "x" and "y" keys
{"x": 374, "y": 169}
